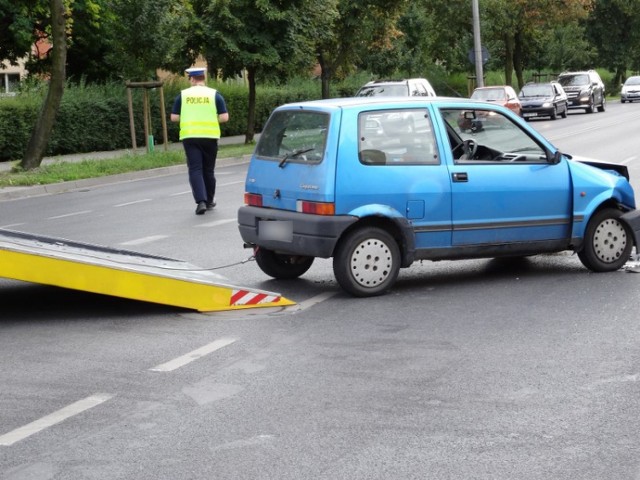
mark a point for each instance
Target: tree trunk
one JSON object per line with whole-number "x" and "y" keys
{"x": 518, "y": 59}
{"x": 39, "y": 140}
{"x": 508, "y": 59}
{"x": 325, "y": 77}
{"x": 251, "y": 115}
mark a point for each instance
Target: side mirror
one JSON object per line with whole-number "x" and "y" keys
{"x": 554, "y": 158}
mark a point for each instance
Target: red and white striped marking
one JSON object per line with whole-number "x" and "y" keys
{"x": 245, "y": 297}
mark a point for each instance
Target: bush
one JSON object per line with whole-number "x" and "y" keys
{"x": 96, "y": 117}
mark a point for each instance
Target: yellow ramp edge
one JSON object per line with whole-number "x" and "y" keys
{"x": 122, "y": 273}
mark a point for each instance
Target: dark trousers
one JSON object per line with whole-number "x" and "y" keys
{"x": 201, "y": 162}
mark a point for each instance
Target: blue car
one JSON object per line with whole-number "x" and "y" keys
{"x": 377, "y": 184}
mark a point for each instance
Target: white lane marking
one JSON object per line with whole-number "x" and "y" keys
{"x": 312, "y": 301}
{"x": 229, "y": 183}
{"x": 216, "y": 223}
{"x": 11, "y": 225}
{"x": 629, "y": 160}
{"x": 143, "y": 240}
{"x": 180, "y": 193}
{"x": 69, "y": 214}
{"x": 194, "y": 355}
{"x": 61, "y": 415}
{"x": 133, "y": 203}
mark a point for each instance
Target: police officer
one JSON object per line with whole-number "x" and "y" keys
{"x": 200, "y": 111}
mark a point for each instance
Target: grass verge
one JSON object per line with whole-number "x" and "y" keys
{"x": 69, "y": 171}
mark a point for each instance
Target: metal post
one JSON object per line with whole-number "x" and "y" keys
{"x": 477, "y": 43}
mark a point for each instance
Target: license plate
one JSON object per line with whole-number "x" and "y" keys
{"x": 281, "y": 230}
{"x": 529, "y": 114}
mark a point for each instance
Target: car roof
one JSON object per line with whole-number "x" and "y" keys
{"x": 400, "y": 102}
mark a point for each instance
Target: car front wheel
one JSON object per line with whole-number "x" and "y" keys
{"x": 603, "y": 104}
{"x": 282, "y": 266}
{"x": 607, "y": 242}
{"x": 367, "y": 262}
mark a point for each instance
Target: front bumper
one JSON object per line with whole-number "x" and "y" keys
{"x": 309, "y": 235}
{"x": 632, "y": 219}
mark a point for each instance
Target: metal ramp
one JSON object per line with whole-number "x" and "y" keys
{"x": 122, "y": 273}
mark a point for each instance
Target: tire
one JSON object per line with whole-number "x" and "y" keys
{"x": 367, "y": 262}
{"x": 607, "y": 242}
{"x": 591, "y": 107}
{"x": 565, "y": 111}
{"x": 603, "y": 105}
{"x": 281, "y": 266}
{"x": 554, "y": 114}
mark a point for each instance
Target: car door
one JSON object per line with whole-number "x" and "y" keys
{"x": 393, "y": 168}
{"x": 506, "y": 191}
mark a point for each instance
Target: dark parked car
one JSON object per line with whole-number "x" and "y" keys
{"x": 543, "y": 100}
{"x": 584, "y": 90}
{"x": 630, "y": 90}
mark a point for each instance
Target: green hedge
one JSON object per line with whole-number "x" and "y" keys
{"x": 96, "y": 118}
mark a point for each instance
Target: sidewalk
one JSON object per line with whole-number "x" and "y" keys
{"x": 11, "y": 193}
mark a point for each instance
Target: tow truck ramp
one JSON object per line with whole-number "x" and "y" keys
{"x": 122, "y": 273}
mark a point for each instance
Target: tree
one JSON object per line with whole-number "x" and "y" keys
{"x": 350, "y": 27}
{"x": 519, "y": 23}
{"x": 146, "y": 35}
{"x": 42, "y": 131}
{"x": 613, "y": 27}
{"x": 263, "y": 39}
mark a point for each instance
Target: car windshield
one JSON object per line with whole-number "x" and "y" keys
{"x": 383, "y": 91}
{"x": 632, "y": 81}
{"x": 574, "y": 80}
{"x": 489, "y": 94}
{"x": 536, "y": 91}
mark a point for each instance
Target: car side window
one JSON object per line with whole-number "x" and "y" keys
{"x": 396, "y": 137}
{"x": 489, "y": 137}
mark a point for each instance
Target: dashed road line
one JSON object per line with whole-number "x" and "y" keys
{"x": 73, "y": 214}
{"x": 47, "y": 421}
{"x": 216, "y": 223}
{"x": 135, "y": 202}
{"x": 143, "y": 240}
{"x": 192, "y": 356}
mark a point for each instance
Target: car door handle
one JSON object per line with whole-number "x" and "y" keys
{"x": 460, "y": 177}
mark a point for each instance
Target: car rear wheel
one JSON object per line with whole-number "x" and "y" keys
{"x": 282, "y": 266}
{"x": 367, "y": 262}
{"x": 607, "y": 242}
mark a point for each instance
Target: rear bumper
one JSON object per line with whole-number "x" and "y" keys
{"x": 312, "y": 235}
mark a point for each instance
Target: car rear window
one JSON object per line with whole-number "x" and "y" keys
{"x": 294, "y": 136}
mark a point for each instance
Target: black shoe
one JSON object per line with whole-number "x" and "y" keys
{"x": 201, "y": 208}
{"x": 211, "y": 205}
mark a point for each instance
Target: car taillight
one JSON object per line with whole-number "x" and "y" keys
{"x": 253, "y": 199}
{"x": 316, "y": 208}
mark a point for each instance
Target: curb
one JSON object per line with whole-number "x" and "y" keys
{"x": 15, "y": 193}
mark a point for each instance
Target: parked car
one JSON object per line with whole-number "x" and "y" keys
{"x": 503, "y": 95}
{"x": 543, "y": 100}
{"x": 630, "y": 90}
{"x": 412, "y": 87}
{"x": 346, "y": 179}
{"x": 585, "y": 90}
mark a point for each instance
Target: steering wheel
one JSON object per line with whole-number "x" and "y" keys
{"x": 469, "y": 148}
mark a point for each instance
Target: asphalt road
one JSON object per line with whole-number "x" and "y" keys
{"x": 477, "y": 369}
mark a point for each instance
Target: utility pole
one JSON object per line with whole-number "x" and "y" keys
{"x": 477, "y": 43}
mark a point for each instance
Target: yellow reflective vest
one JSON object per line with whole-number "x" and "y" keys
{"x": 198, "y": 113}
